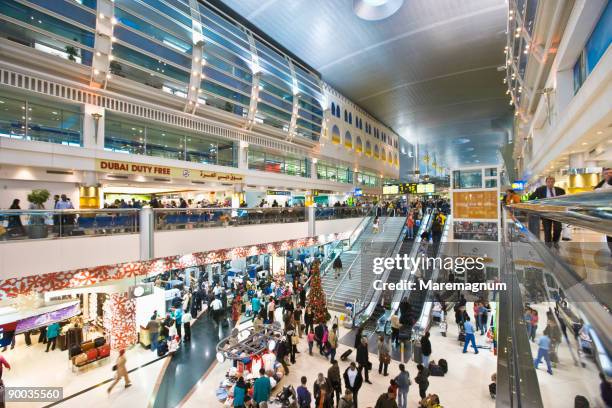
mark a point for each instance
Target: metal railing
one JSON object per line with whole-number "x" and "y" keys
{"x": 591, "y": 210}
{"x": 332, "y": 213}
{"x": 18, "y": 225}
{"x": 573, "y": 307}
{"x": 190, "y": 218}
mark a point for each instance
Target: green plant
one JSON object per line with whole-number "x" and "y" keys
{"x": 39, "y": 197}
{"x": 72, "y": 52}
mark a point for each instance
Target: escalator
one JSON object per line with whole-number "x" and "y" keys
{"x": 378, "y": 317}
{"x": 352, "y": 284}
{"x": 568, "y": 287}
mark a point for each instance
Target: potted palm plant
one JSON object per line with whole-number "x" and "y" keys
{"x": 38, "y": 228}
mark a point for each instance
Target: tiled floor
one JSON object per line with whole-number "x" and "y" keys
{"x": 570, "y": 377}
{"x": 466, "y": 382}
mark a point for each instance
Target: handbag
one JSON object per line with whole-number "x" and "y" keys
{"x": 295, "y": 340}
{"x": 369, "y": 365}
{"x": 114, "y": 367}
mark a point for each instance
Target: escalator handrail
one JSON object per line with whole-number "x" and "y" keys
{"x": 371, "y": 294}
{"x": 591, "y": 210}
{"x": 424, "y": 321}
{"x": 425, "y": 225}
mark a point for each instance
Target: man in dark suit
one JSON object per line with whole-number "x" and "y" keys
{"x": 552, "y": 229}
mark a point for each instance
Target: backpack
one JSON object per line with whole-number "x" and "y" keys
{"x": 442, "y": 363}
{"x": 581, "y": 402}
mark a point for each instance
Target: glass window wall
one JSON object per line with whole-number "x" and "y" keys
{"x": 42, "y": 121}
{"x": 334, "y": 172}
{"x": 265, "y": 161}
{"x": 126, "y": 136}
{"x": 45, "y": 22}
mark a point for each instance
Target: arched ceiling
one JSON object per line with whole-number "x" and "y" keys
{"x": 429, "y": 71}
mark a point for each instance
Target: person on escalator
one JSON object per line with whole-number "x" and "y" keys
{"x": 552, "y": 229}
{"x": 436, "y": 230}
{"x": 603, "y": 186}
{"x": 376, "y": 225}
{"x": 410, "y": 226}
{"x": 337, "y": 266}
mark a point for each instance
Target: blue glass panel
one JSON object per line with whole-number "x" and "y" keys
{"x": 219, "y": 20}
{"x": 228, "y": 55}
{"x": 212, "y": 36}
{"x": 69, "y": 10}
{"x": 151, "y": 47}
{"x": 269, "y": 54}
{"x": 180, "y": 28}
{"x": 313, "y": 127}
{"x": 273, "y": 111}
{"x": 152, "y": 64}
{"x": 283, "y": 93}
{"x": 212, "y": 73}
{"x": 224, "y": 92}
{"x": 307, "y": 115}
{"x": 179, "y": 5}
{"x": 138, "y": 24}
{"x": 271, "y": 69}
{"x": 92, "y": 4}
{"x": 169, "y": 11}
{"x": 45, "y": 22}
{"x": 225, "y": 66}
{"x": 264, "y": 96}
{"x": 600, "y": 39}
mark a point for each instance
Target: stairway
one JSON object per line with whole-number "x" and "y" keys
{"x": 344, "y": 289}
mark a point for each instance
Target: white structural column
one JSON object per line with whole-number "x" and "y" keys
{"x": 100, "y": 67}
{"x": 313, "y": 167}
{"x": 296, "y": 95}
{"x": 93, "y": 126}
{"x": 326, "y": 112}
{"x": 243, "y": 155}
{"x": 196, "y": 58}
{"x": 256, "y": 70}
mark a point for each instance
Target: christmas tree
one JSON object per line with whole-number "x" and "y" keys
{"x": 316, "y": 296}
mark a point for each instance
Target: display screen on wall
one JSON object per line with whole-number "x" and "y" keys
{"x": 427, "y": 188}
{"x": 392, "y": 189}
{"x": 475, "y": 231}
{"x": 475, "y": 205}
{"x": 46, "y": 319}
{"x": 467, "y": 179}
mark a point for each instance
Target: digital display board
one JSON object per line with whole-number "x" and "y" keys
{"x": 408, "y": 188}
{"x": 428, "y": 188}
{"x": 391, "y": 189}
{"x": 518, "y": 185}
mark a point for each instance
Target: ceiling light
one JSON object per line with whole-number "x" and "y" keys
{"x": 584, "y": 143}
{"x": 373, "y": 10}
{"x": 600, "y": 132}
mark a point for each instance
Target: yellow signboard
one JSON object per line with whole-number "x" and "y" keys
{"x": 475, "y": 205}
{"x": 121, "y": 167}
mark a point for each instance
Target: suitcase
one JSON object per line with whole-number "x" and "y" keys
{"x": 581, "y": 402}
{"x": 405, "y": 333}
{"x": 461, "y": 337}
{"x": 88, "y": 345}
{"x": 62, "y": 343}
{"x": 104, "y": 350}
{"x": 100, "y": 341}
{"x": 92, "y": 354}
{"x": 417, "y": 355}
{"x": 162, "y": 349}
{"x": 345, "y": 355}
{"x": 80, "y": 359}
{"x": 75, "y": 350}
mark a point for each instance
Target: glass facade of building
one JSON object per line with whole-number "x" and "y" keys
{"x": 265, "y": 161}
{"x": 153, "y": 44}
{"x": 130, "y": 136}
{"x": 334, "y": 172}
{"x": 38, "y": 120}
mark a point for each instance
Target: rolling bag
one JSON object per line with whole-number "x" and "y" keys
{"x": 345, "y": 355}
{"x": 417, "y": 354}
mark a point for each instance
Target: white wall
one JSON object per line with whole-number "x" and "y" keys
{"x": 207, "y": 239}
{"x": 11, "y": 189}
{"x": 35, "y": 257}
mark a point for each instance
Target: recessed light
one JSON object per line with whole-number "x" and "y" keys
{"x": 584, "y": 143}
{"x": 600, "y": 132}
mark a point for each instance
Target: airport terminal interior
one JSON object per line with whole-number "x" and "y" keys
{"x": 305, "y": 203}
